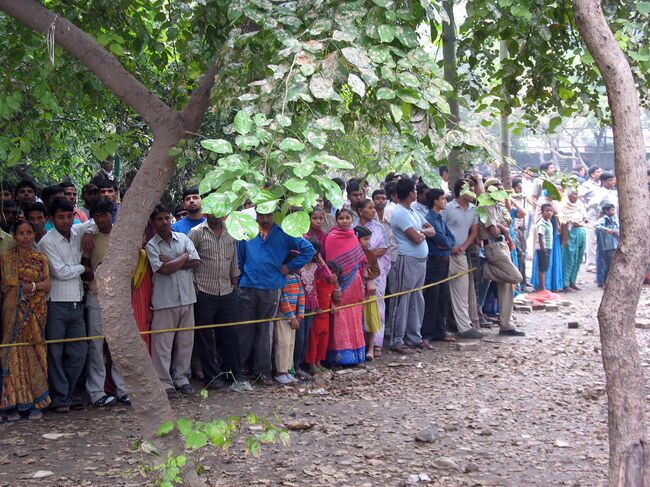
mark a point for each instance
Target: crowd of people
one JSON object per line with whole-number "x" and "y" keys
{"x": 323, "y": 292}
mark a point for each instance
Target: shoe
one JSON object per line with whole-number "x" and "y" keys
{"x": 172, "y": 393}
{"x": 105, "y": 401}
{"x": 425, "y": 345}
{"x": 13, "y": 416}
{"x": 292, "y": 377}
{"x": 283, "y": 379}
{"x": 35, "y": 414}
{"x": 124, "y": 400}
{"x": 402, "y": 350}
{"x": 472, "y": 333}
{"x": 513, "y": 332}
{"x": 485, "y": 323}
{"x": 186, "y": 390}
{"x": 302, "y": 374}
{"x": 216, "y": 383}
{"x": 241, "y": 386}
{"x": 263, "y": 380}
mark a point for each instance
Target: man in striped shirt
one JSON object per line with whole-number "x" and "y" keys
{"x": 217, "y": 301}
{"x": 291, "y": 309}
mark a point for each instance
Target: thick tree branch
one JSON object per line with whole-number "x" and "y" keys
{"x": 102, "y": 63}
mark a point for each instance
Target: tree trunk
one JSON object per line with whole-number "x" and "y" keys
{"x": 629, "y": 457}
{"x": 504, "y": 131}
{"x": 150, "y": 404}
{"x": 450, "y": 67}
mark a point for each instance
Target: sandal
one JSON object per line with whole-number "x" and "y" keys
{"x": 449, "y": 338}
{"x": 402, "y": 350}
{"x": 62, "y": 409}
{"x": 13, "y": 417}
{"x": 425, "y": 345}
{"x": 35, "y": 414}
{"x": 377, "y": 352}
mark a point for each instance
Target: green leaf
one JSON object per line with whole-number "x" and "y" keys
{"x": 384, "y": 3}
{"x": 165, "y": 428}
{"x": 285, "y": 438}
{"x": 267, "y": 207}
{"x": 245, "y": 142}
{"x": 296, "y": 185}
{"x": 330, "y": 123}
{"x": 195, "y": 440}
{"x": 219, "y": 204}
{"x": 304, "y": 169}
{"x": 334, "y": 162}
{"x": 321, "y": 87}
{"x": 218, "y": 146}
{"x": 291, "y": 144}
{"x": 357, "y": 57}
{"x": 643, "y": 8}
{"x": 565, "y": 93}
{"x": 184, "y": 425}
{"x": 174, "y": 151}
{"x": 521, "y": 11}
{"x": 296, "y": 224}
{"x": 317, "y": 139}
{"x": 484, "y": 199}
{"x": 283, "y": 120}
{"x": 396, "y": 112}
{"x": 386, "y": 33}
{"x": 203, "y": 393}
{"x": 554, "y": 123}
{"x": 551, "y": 190}
{"x": 242, "y": 226}
{"x": 357, "y": 85}
{"x": 117, "y": 49}
{"x": 243, "y": 122}
{"x": 385, "y": 94}
{"x": 406, "y": 36}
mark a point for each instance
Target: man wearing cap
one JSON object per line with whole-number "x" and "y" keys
{"x": 494, "y": 234}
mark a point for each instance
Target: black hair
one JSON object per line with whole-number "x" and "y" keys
{"x": 25, "y": 183}
{"x": 593, "y": 169}
{"x": 315, "y": 209}
{"x": 102, "y": 206}
{"x": 443, "y": 169}
{"x": 67, "y": 184}
{"x": 37, "y": 206}
{"x": 89, "y": 187}
{"x": 160, "y": 208}
{"x": 344, "y": 210}
{"x": 8, "y": 204}
{"x": 50, "y": 191}
{"x": 607, "y": 206}
{"x": 378, "y": 192}
{"x": 606, "y": 176}
{"x": 545, "y": 165}
{"x": 516, "y": 181}
{"x": 404, "y": 187}
{"x": 364, "y": 203}
{"x": 422, "y": 188}
{"x": 335, "y": 267}
{"x": 352, "y": 186}
{"x": 433, "y": 195}
{"x": 314, "y": 243}
{"x": 190, "y": 191}
{"x": 458, "y": 187}
{"x": 106, "y": 183}
{"x": 178, "y": 209}
{"x": 59, "y": 204}
{"x": 544, "y": 206}
{"x": 389, "y": 177}
{"x": 390, "y": 188}
{"x": 7, "y": 186}
{"x": 18, "y": 223}
{"x": 360, "y": 231}
{"x": 340, "y": 182}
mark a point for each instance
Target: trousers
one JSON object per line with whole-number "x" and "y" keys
{"x": 435, "y": 299}
{"x": 210, "y": 309}
{"x": 255, "y": 340}
{"x": 462, "y": 296}
{"x": 500, "y": 269}
{"x": 171, "y": 353}
{"x": 284, "y": 339}
{"x": 96, "y": 364}
{"x": 65, "y": 361}
{"x": 408, "y": 310}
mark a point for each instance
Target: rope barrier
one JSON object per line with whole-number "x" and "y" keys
{"x": 240, "y": 323}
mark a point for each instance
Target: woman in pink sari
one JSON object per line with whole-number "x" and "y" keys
{"x": 347, "y": 344}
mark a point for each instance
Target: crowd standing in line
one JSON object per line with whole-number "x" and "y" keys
{"x": 192, "y": 271}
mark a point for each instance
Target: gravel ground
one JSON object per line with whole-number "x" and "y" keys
{"x": 525, "y": 411}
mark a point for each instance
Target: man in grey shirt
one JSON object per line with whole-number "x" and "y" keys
{"x": 460, "y": 217}
{"x": 172, "y": 257}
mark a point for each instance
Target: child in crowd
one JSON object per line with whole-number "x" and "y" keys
{"x": 329, "y": 294}
{"x": 316, "y": 222}
{"x": 291, "y": 309}
{"x": 607, "y": 232}
{"x": 544, "y": 245}
{"x": 309, "y": 275}
{"x": 370, "y": 272}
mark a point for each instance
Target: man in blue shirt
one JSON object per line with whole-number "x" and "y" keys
{"x": 410, "y": 230}
{"x": 440, "y": 245}
{"x": 264, "y": 263}
{"x": 192, "y": 203}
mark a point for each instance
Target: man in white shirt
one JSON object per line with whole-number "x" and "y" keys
{"x": 65, "y": 316}
{"x": 587, "y": 192}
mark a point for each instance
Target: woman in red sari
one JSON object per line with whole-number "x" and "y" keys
{"x": 347, "y": 344}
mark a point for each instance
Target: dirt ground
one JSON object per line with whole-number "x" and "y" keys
{"x": 508, "y": 412}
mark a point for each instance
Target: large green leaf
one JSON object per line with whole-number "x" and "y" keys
{"x": 406, "y": 36}
{"x": 296, "y": 224}
{"x": 385, "y": 94}
{"x": 386, "y": 33}
{"x": 291, "y": 144}
{"x": 334, "y": 162}
{"x": 296, "y": 185}
{"x": 218, "y": 204}
{"x": 243, "y": 122}
{"x": 551, "y": 190}
{"x": 267, "y": 207}
{"x": 322, "y": 87}
{"x": 195, "y": 440}
{"x": 219, "y": 146}
{"x": 304, "y": 169}
{"x": 356, "y": 56}
{"x": 242, "y": 226}
{"x": 357, "y": 85}
{"x": 330, "y": 123}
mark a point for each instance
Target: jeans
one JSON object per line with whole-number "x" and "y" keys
{"x": 435, "y": 299}
{"x": 302, "y": 335}
{"x": 65, "y": 361}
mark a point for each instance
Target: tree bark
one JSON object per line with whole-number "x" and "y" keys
{"x": 504, "y": 131}
{"x": 629, "y": 455}
{"x": 450, "y": 68}
{"x": 150, "y": 404}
